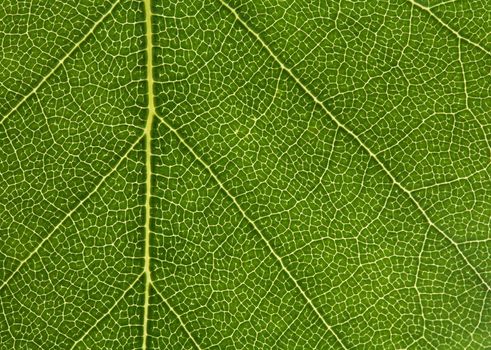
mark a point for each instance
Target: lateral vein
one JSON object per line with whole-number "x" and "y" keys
{"x": 94, "y": 324}
{"x": 446, "y": 26}
{"x": 183, "y": 325}
{"x": 357, "y": 138}
{"x": 70, "y": 213}
{"x": 60, "y": 62}
{"x": 255, "y": 227}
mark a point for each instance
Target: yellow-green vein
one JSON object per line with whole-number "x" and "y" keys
{"x": 148, "y": 164}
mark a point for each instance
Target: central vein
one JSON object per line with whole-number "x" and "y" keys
{"x": 148, "y": 164}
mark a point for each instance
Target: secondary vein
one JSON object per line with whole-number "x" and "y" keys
{"x": 61, "y": 62}
{"x": 373, "y": 155}
{"x": 255, "y": 227}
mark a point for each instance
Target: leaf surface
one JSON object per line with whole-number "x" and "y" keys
{"x": 245, "y": 174}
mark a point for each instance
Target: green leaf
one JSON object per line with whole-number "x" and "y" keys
{"x": 247, "y": 174}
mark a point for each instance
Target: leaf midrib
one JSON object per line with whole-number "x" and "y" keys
{"x": 148, "y": 164}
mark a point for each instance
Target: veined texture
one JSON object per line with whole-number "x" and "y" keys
{"x": 249, "y": 174}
